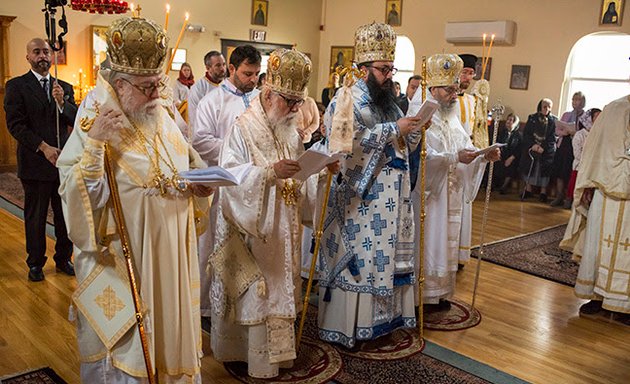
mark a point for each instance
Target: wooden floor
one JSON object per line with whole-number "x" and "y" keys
{"x": 530, "y": 326}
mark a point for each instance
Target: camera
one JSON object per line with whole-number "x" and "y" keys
{"x": 56, "y": 3}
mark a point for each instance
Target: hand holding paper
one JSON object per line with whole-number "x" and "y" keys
{"x": 482, "y": 152}
{"x": 313, "y": 161}
{"x": 217, "y": 176}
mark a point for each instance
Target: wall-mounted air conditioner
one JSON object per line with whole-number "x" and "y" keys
{"x": 471, "y": 32}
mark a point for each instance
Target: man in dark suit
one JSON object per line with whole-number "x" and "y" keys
{"x": 30, "y": 103}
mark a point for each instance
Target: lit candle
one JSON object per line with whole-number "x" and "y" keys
{"x": 485, "y": 64}
{"x": 179, "y": 38}
{"x": 132, "y": 9}
{"x": 483, "y": 50}
{"x": 168, "y": 11}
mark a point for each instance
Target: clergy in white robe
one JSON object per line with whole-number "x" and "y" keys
{"x": 215, "y": 73}
{"x": 453, "y": 172}
{"x": 256, "y": 280}
{"x": 146, "y": 151}
{"x": 216, "y": 114}
{"x": 598, "y": 232}
{"x": 467, "y": 105}
{"x": 366, "y": 261}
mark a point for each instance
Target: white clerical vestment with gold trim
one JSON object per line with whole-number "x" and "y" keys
{"x": 162, "y": 238}
{"x": 255, "y": 306}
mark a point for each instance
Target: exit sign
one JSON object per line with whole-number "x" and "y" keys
{"x": 257, "y": 35}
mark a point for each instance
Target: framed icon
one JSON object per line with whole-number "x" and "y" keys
{"x": 260, "y": 12}
{"x": 611, "y": 12}
{"x": 393, "y": 12}
{"x": 99, "y": 49}
{"x": 519, "y": 78}
{"x": 341, "y": 57}
{"x": 478, "y": 69}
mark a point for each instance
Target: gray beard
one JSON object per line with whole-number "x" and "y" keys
{"x": 285, "y": 129}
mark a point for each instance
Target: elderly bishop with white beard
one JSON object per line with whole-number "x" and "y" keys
{"x": 123, "y": 124}
{"x": 454, "y": 170}
{"x": 256, "y": 281}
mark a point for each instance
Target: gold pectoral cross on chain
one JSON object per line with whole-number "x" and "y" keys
{"x": 290, "y": 192}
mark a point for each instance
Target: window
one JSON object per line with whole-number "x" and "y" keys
{"x": 405, "y": 61}
{"x": 599, "y": 68}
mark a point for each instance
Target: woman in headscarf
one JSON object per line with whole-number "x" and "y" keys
{"x": 539, "y": 146}
{"x": 183, "y": 84}
{"x": 511, "y": 153}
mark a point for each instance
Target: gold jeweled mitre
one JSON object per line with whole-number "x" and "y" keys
{"x": 443, "y": 70}
{"x": 136, "y": 46}
{"x": 374, "y": 42}
{"x": 288, "y": 72}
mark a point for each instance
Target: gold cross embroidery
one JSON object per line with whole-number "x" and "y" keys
{"x": 608, "y": 241}
{"x": 625, "y": 244}
{"x": 109, "y": 302}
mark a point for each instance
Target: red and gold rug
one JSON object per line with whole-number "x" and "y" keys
{"x": 460, "y": 316}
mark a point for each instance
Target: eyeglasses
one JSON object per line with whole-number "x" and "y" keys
{"x": 147, "y": 90}
{"x": 385, "y": 70}
{"x": 292, "y": 102}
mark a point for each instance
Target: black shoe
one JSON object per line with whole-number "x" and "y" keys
{"x": 557, "y": 202}
{"x": 567, "y": 204}
{"x": 526, "y": 195}
{"x": 542, "y": 198}
{"x": 591, "y": 308}
{"x": 35, "y": 274}
{"x": 66, "y": 267}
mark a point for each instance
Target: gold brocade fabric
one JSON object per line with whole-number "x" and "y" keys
{"x": 162, "y": 240}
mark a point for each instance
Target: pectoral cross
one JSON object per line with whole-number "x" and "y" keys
{"x": 290, "y": 192}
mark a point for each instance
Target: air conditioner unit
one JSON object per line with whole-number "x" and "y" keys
{"x": 471, "y": 32}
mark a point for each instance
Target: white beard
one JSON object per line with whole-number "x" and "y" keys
{"x": 285, "y": 128}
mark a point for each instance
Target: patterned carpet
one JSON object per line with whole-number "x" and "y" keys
{"x": 38, "y": 376}
{"x": 392, "y": 359}
{"x": 537, "y": 254}
{"x": 11, "y": 190}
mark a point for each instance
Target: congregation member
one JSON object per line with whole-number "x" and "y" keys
{"x": 585, "y": 123}
{"x": 215, "y": 73}
{"x": 453, "y": 170}
{"x": 412, "y": 86}
{"x": 256, "y": 283}
{"x": 308, "y": 119}
{"x": 216, "y": 114}
{"x": 31, "y": 103}
{"x": 511, "y": 153}
{"x": 539, "y": 146}
{"x": 122, "y": 123}
{"x": 183, "y": 84}
{"x": 366, "y": 258}
{"x": 599, "y": 227}
{"x": 563, "y": 156}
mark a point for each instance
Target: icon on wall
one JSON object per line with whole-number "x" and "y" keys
{"x": 260, "y": 9}
{"x": 393, "y": 12}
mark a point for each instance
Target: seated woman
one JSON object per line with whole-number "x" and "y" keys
{"x": 511, "y": 153}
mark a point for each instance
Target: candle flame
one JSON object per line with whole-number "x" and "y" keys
{"x": 168, "y": 7}
{"x": 187, "y": 16}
